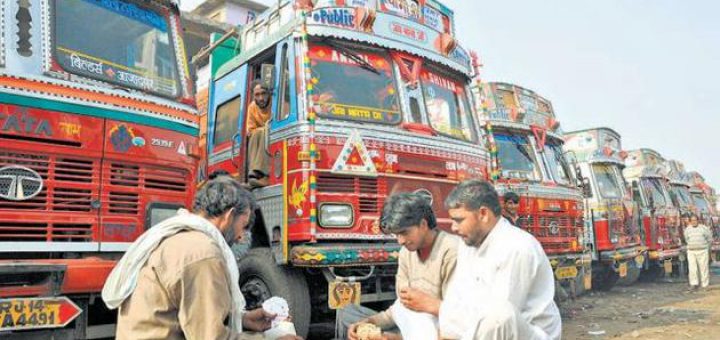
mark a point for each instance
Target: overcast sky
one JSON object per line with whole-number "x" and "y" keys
{"x": 647, "y": 68}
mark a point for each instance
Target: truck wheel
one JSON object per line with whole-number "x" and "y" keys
{"x": 633, "y": 274}
{"x": 604, "y": 279}
{"x": 261, "y": 278}
{"x": 652, "y": 273}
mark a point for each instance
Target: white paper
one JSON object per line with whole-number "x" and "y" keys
{"x": 414, "y": 325}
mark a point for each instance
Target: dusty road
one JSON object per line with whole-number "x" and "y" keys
{"x": 659, "y": 310}
{"x": 645, "y": 311}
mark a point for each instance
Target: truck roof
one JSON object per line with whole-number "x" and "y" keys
{"x": 426, "y": 31}
{"x": 596, "y": 145}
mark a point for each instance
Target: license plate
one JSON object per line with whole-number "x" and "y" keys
{"x": 566, "y": 272}
{"x": 35, "y": 313}
{"x": 668, "y": 266}
{"x": 622, "y": 270}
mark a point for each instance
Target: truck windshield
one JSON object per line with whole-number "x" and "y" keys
{"x": 654, "y": 189}
{"x": 346, "y": 89}
{"x": 515, "y": 157}
{"x": 447, "y": 106}
{"x": 557, "y": 166}
{"x": 606, "y": 180}
{"x": 118, "y": 42}
{"x": 680, "y": 195}
{"x": 700, "y": 203}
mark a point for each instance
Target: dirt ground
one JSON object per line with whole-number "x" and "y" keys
{"x": 659, "y": 311}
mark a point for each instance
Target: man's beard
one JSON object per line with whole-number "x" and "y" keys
{"x": 263, "y": 105}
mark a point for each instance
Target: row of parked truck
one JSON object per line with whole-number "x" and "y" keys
{"x": 100, "y": 139}
{"x": 628, "y": 203}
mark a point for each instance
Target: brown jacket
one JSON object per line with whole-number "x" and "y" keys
{"x": 257, "y": 117}
{"x": 182, "y": 292}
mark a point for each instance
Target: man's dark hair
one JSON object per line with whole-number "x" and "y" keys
{"x": 221, "y": 194}
{"x": 405, "y": 210}
{"x": 217, "y": 173}
{"x": 258, "y": 82}
{"x": 473, "y": 194}
{"x": 685, "y": 215}
{"x": 511, "y": 196}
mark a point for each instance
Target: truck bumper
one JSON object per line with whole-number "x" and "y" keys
{"x": 344, "y": 255}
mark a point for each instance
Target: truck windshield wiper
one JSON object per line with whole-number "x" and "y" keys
{"x": 353, "y": 56}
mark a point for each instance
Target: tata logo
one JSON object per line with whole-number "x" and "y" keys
{"x": 336, "y": 17}
{"x": 18, "y": 183}
{"x": 25, "y": 124}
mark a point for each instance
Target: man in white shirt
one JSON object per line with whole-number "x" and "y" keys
{"x": 503, "y": 285}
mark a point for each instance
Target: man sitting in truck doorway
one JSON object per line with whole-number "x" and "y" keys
{"x": 259, "y": 114}
{"x": 425, "y": 264}
{"x": 503, "y": 286}
{"x": 179, "y": 279}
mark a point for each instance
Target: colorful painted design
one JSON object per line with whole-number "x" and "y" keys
{"x": 123, "y": 137}
{"x": 320, "y": 256}
{"x": 354, "y": 158}
{"x": 600, "y": 144}
{"x": 298, "y": 196}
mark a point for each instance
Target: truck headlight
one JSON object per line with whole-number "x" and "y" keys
{"x": 336, "y": 215}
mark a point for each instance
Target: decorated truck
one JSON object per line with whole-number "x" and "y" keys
{"x": 703, "y": 197}
{"x": 97, "y": 143}
{"x": 660, "y": 219}
{"x": 369, "y": 98}
{"x": 611, "y": 216}
{"x": 527, "y": 159}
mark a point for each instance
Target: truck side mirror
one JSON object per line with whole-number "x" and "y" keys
{"x": 267, "y": 75}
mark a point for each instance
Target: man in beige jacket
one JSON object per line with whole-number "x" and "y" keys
{"x": 425, "y": 265}
{"x": 180, "y": 280}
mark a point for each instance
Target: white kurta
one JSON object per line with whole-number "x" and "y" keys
{"x": 508, "y": 272}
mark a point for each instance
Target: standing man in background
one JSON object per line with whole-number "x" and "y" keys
{"x": 698, "y": 238}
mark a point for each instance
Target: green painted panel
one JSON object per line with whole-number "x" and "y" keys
{"x": 47, "y": 104}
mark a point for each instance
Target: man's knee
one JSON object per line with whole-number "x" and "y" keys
{"x": 501, "y": 314}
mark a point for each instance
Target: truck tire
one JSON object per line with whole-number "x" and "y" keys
{"x": 604, "y": 279}
{"x": 261, "y": 278}
{"x": 633, "y": 274}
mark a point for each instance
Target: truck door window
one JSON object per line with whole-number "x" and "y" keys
{"x": 226, "y": 120}
{"x": 284, "y": 95}
{"x": 515, "y": 156}
{"x": 606, "y": 181}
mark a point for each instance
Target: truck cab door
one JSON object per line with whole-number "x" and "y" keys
{"x": 226, "y": 123}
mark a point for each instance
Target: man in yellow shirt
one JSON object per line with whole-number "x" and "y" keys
{"x": 259, "y": 113}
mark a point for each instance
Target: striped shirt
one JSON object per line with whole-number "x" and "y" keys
{"x": 698, "y": 237}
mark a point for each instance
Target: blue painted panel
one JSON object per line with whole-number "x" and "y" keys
{"x": 222, "y": 90}
{"x": 293, "y": 116}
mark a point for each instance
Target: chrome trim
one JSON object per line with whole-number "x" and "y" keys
{"x": 115, "y": 246}
{"x": 349, "y": 236}
{"x": 45, "y": 247}
{"x": 392, "y": 134}
{"x": 317, "y": 30}
{"x": 97, "y": 86}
